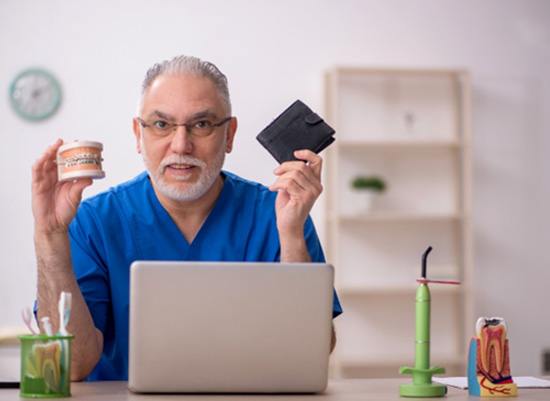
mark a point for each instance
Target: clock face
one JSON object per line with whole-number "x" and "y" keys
{"x": 35, "y": 94}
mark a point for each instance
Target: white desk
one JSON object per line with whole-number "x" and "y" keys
{"x": 338, "y": 390}
{"x": 10, "y": 362}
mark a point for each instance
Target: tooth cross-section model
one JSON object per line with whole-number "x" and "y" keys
{"x": 488, "y": 360}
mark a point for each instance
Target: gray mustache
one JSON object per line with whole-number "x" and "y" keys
{"x": 191, "y": 161}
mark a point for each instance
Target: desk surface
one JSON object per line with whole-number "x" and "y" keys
{"x": 341, "y": 390}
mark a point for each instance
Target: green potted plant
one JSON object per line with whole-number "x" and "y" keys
{"x": 368, "y": 187}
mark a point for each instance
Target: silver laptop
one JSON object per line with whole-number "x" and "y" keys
{"x": 229, "y": 327}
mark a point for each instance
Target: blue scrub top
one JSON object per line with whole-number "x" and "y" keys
{"x": 128, "y": 223}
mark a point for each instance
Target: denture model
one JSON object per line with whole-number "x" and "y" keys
{"x": 422, "y": 372}
{"x": 489, "y": 360}
{"x": 79, "y": 159}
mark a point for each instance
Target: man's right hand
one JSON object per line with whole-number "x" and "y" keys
{"x": 54, "y": 203}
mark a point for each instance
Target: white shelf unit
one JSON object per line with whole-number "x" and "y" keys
{"x": 410, "y": 127}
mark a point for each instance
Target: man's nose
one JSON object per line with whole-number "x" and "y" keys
{"x": 181, "y": 140}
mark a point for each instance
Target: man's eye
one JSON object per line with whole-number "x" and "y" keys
{"x": 161, "y": 124}
{"x": 203, "y": 124}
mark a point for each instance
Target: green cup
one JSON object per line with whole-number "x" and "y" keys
{"x": 45, "y": 366}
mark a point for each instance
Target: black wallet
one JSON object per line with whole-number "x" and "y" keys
{"x": 298, "y": 127}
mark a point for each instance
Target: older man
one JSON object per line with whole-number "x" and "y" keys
{"x": 183, "y": 208}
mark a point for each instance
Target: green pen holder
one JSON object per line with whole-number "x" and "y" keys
{"x": 45, "y": 366}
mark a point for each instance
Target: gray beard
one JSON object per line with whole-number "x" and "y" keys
{"x": 208, "y": 175}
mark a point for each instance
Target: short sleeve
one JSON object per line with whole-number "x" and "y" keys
{"x": 91, "y": 273}
{"x": 316, "y": 253}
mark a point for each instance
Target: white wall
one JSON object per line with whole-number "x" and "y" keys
{"x": 275, "y": 52}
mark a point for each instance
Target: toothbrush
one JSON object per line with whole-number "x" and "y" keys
{"x": 26, "y": 315}
{"x": 64, "y": 309}
{"x": 47, "y": 326}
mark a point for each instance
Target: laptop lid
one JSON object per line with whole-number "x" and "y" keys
{"x": 229, "y": 327}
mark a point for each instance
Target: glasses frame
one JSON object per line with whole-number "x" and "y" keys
{"x": 188, "y": 127}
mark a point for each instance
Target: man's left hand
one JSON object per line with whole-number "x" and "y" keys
{"x": 299, "y": 186}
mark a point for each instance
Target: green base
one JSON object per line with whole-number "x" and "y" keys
{"x": 422, "y": 390}
{"x": 51, "y": 395}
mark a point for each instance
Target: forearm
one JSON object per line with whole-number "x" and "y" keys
{"x": 332, "y": 339}
{"x": 55, "y": 275}
{"x": 293, "y": 247}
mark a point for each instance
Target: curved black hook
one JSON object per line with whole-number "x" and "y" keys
{"x": 425, "y": 260}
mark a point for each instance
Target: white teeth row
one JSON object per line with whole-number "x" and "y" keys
{"x": 493, "y": 337}
{"x": 180, "y": 167}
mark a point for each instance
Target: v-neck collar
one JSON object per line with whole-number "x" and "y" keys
{"x": 173, "y": 229}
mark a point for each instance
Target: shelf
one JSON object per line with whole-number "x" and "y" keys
{"x": 397, "y": 143}
{"x": 412, "y": 128}
{"x": 398, "y": 217}
{"x": 394, "y": 289}
{"x": 9, "y": 335}
{"x": 346, "y": 71}
{"x": 385, "y": 361}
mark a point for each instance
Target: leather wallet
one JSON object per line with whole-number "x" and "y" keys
{"x": 298, "y": 127}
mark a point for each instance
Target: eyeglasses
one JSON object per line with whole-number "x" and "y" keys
{"x": 199, "y": 128}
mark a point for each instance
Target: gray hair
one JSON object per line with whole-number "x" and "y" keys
{"x": 188, "y": 65}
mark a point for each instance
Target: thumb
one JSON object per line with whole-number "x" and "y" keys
{"x": 77, "y": 187}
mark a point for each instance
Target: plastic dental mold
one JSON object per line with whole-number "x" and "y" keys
{"x": 79, "y": 159}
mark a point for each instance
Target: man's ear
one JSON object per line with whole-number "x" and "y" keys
{"x": 137, "y": 133}
{"x": 231, "y": 131}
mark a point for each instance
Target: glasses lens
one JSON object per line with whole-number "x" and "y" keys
{"x": 199, "y": 128}
{"x": 158, "y": 127}
{"x": 202, "y": 128}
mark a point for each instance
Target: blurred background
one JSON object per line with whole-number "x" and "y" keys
{"x": 276, "y": 52}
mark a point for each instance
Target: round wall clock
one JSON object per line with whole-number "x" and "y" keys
{"x": 35, "y": 94}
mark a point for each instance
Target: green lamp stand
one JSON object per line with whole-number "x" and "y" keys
{"x": 422, "y": 385}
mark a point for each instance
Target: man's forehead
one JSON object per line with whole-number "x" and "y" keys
{"x": 187, "y": 84}
{"x": 187, "y": 93}
{"x": 205, "y": 113}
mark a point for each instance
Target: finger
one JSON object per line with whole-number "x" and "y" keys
{"x": 46, "y": 161}
{"x": 309, "y": 184}
{"x": 55, "y": 146}
{"x": 44, "y": 171}
{"x": 72, "y": 191}
{"x": 300, "y": 168}
{"x": 76, "y": 189}
{"x": 50, "y": 155}
{"x": 313, "y": 159}
{"x": 47, "y": 154}
{"x": 49, "y": 168}
{"x": 51, "y": 150}
{"x": 288, "y": 185}
{"x": 36, "y": 170}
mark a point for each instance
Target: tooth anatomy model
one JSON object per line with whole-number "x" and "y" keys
{"x": 489, "y": 360}
{"x": 422, "y": 385}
